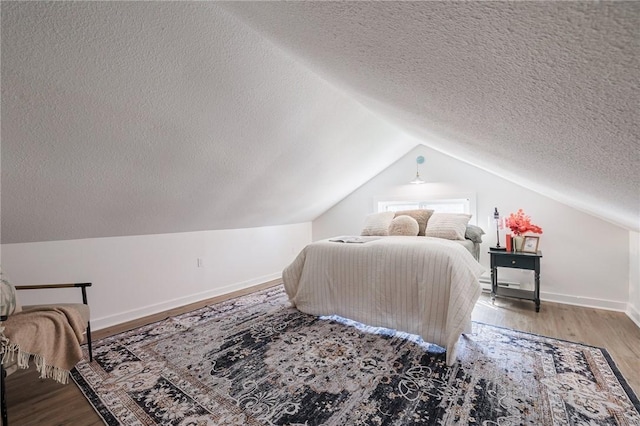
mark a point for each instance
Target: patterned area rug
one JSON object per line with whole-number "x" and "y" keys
{"x": 256, "y": 361}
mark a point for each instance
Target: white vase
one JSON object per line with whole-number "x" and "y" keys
{"x": 518, "y": 240}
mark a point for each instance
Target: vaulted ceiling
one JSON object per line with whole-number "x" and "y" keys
{"x": 128, "y": 118}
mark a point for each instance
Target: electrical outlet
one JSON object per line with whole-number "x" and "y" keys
{"x": 200, "y": 263}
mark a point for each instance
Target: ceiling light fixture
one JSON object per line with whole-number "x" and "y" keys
{"x": 418, "y": 180}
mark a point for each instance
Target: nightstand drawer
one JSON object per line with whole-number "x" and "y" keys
{"x": 515, "y": 262}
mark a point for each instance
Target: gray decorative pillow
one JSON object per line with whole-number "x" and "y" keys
{"x": 8, "y": 301}
{"x": 474, "y": 233}
{"x": 451, "y": 226}
{"x": 404, "y": 225}
{"x": 377, "y": 224}
{"x": 420, "y": 215}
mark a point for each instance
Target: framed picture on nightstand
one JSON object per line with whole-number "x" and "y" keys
{"x": 530, "y": 244}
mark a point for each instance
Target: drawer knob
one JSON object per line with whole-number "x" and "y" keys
{"x": 513, "y": 262}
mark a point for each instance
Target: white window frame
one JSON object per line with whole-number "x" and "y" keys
{"x": 453, "y": 203}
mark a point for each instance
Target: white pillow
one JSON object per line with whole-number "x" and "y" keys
{"x": 451, "y": 226}
{"x": 377, "y": 223}
{"x": 404, "y": 225}
{"x": 9, "y": 303}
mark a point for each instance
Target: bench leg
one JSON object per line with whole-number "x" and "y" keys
{"x": 3, "y": 397}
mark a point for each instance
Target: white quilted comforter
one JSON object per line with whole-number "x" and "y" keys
{"x": 420, "y": 285}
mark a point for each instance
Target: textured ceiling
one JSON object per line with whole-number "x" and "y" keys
{"x": 140, "y": 118}
{"x": 150, "y": 117}
{"x": 545, "y": 94}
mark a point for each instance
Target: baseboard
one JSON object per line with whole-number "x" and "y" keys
{"x": 633, "y": 313}
{"x": 587, "y": 302}
{"x": 100, "y": 323}
{"x": 122, "y": 317}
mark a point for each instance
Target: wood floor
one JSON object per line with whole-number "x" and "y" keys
{"x": 33, "y": 401}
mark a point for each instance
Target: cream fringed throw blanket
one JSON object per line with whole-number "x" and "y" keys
{"x": 52, "y": 335}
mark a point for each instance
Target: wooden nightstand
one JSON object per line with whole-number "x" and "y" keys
{"x": 518, "y": 260}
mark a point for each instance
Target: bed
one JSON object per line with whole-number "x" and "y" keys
{"x": 421, "y": 285}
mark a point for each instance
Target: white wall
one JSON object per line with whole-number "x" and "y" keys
{"x": 633, "y": 309}
{"x": 141, "y": 275}
{"x": 586, "y": 260}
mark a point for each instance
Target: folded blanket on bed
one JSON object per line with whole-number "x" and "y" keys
{"x": 52, "y": 335}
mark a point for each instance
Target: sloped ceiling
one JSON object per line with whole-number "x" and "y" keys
{"x": 152, "y": 117}
{"x": 155, "y": 117}
{"x": 545, "y": 94}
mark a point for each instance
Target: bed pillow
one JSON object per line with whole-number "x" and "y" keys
{"x": 377, "y": 223}
{"x": 421, "y": 216}
{"x": 474, "y": 233}
{"x": 451, "y": 226}
{"x": 8, "y": 301}
{"x": 404, "y": 225}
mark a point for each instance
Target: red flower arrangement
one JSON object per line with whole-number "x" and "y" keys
{"x": 519, "y": 223}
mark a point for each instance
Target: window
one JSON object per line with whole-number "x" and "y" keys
{"x": 453, "y": 205}
{"x": 444, "y": 203}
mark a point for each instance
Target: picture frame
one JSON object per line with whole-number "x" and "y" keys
{"x": 530, "y": 244}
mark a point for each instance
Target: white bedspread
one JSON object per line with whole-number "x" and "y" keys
{"x": 420, "y": 285}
